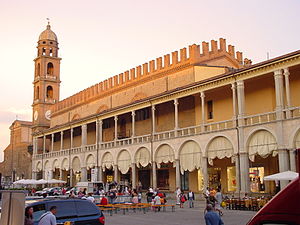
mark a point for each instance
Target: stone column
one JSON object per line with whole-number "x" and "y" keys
{"x": 283, "y": 161}
{"x": 133, "y": 175}
{"x": 241, "y": 101}
{"x": 292, "y": 154}
{"x": 33, "y": 175}
{"x": 60, "y": 174}
{"x": 286, "y": 74}
{"x": 100, "y": 173}
{"x": 204, "y": 173}
{"x": 52, "y": 142}
{"x": 116, "y": 173}
{"x": 233, "y": 88}
{"x": 202, "y": 95}
{"x": 153, "y": 119}
{"x": 61, "y": 140}
{"x": 97, "y": 133}
{"x": 100, "y": 131}
{"x": 83, "y": 134}
{"x": 44, "y": 144}
{"x": 71, "y": 178}
{"x": 133, "y": 123}
{"x": 34, "y": 146}
{"x": 154, "y": 179}
{"x": 178, "y": 183}
{"x": 83, "y": 174}
{"x": 176, "y": 113}
{"x": 244, "y": 171}
{"x": 116, "y": 128}
{"x": 50, "y": 175}
{"x": 71, "y": 139}
{"x": 278, "y": 77}
{"x": 237, "y": 173}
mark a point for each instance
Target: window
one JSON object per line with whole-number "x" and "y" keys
{"x": 210, "y": 109}
{"x": 38, "y": 210}
{"x": 106, "y": 124}
{"x": 142, "y": 114}
{"x": 65, "y": 209}
{"x": 37, "y": 92}
{"x": 50, "y": 68}
{"x": 43, "y": 51}
{"x": 51, "y": 51}
{"x": 49, "y": 92}
{"x": 86, "y": 208}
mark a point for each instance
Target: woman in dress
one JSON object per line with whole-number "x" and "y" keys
{"x": 28, "y": 216}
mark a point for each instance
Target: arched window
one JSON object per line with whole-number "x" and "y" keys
{"x": 44, "y": 51}
{"x": 38, "y": 69}
{"x": 49, "y": 92}
{"x": 51, "y": 52}
{"x": 37, "y": 92}
{"x": 50, "y": 68}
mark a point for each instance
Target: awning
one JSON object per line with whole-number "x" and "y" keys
{"x": 55, "y": 165}
{"x": 164, "y": 154}
{"x": 142, "y": 157}
{"x": 76, "y": 164}
{"x": 65, "y": 164}
{"x": 90, "y": 162}
{"x": 220, "y": 147}
{"x": 190, "y": 157}
{"x": 287, "y": 175}
{"x": 262, "y": 143}
{"x": 107, "y": 161}
{"x": 124, "y": 162}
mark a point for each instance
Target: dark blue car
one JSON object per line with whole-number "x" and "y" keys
{"x": 81, "y": 212}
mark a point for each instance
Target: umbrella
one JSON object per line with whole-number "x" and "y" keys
{"x": 54, "y": 181}
{"x": 25, "y": 181}
{"x": 41, "y": 181}
{"x": 287, "y": 175}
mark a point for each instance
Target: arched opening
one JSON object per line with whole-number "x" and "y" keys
{"x": 50, "y": 69}
{"x": 107, "y": 167}
{"x": 51, "y": 52}
{"x": 49, "y": 93}
{"x": 37, "y": 92}
{"x": 43, "y": 51}
{"x": 143, "y": 160}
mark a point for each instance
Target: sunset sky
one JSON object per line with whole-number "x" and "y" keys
{"x": 99, "y": 39}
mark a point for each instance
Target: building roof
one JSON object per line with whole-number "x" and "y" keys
{"x": 48, "y": 34}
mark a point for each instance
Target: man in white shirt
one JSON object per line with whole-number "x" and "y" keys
{"x": 91, "y": 198}
{"x": 48, "y": 218}
{"x": 178, "y": 192}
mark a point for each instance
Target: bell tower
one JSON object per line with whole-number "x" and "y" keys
{"x": 46, "y": 79}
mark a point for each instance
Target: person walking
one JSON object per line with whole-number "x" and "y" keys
{"x": 28, "y": 216}
{"x": 48, "y": 218}
{"x": 182, "y": 198}
{"x": 191, "y": 198}
{"x": 219, "y": 198}
{"x": 211, "y": 217}
{"x": 177, "y": 193}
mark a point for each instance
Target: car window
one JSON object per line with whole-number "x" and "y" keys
{"x": 86, "y": 208}
{"x": 38, "y": 210}
{"x": 65, "y": 209}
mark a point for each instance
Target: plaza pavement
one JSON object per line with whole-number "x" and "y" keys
{"x": 185, "y": 216}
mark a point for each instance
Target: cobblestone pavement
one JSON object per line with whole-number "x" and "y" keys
{"x": 185, "y": 216}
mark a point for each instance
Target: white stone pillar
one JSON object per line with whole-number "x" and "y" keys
{"x": 97, "y": 133}
{"x": 133, "y": 175}
{"x": 244, "y": 172}
{"x": 154, "y": 177}
{"x": 241, "y": 101}
{"x": 60, "y": 174}
{"x": 278, "y": 77}
{"x": 83, "y": 134}
{"x": 116, "y": 128}
{"x": 34, "y": 150}
{"x": 283, "y": 161}
{"x": 133, "y": 123}
{"x": 178, "y": 183}
{"x": 292, "y": 154}
{"x": 204, "y": 173}
{"x": 83, "y": 174}
{"x": 116, "y": 173}
{"x": 33, "y": 175}
{"x": 52, "y": 142}
{"x": 44, "y": 144}
{"x": 237, "y": 173}
{"x": 71, "y": 139}
{"x": 233, "y": 88}
{"x": 286, "y": 74}
{"x": 153, "y": 119}
{"x": 100, "y": 173}
{"x": 100, "y": 131}
{"x": 202, "y": 95}
{"x": 61, "y": 140}
{"x": 176, "y": 113}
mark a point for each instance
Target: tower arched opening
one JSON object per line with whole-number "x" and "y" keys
{"x": 49, "y": 93}
{"x": 50, "y": 67}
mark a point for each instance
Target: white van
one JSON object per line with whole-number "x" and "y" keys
{"x": 91, "y": 187}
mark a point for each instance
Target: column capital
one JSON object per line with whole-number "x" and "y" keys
{"x": 240, "y": 83}
{"x": 133, "y": 113}
{"x": 233, "y": 85}
{"x": 202, "y": 94}
{"x": 62, "y": 133}
{"x": 286, "y": 71}
{"x": 176, "y": 101}
{"x": 52, "y": 135}
{"x": 278, "y": 72}
{"x": 99, "y": 121}
{"x": 153, "y": 107}
{"x": 116, "y": 118}
{"x": 84, "y": 126}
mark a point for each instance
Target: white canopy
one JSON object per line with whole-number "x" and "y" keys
{"x": 287, "y": 175}
{"x": 54, "y": 181}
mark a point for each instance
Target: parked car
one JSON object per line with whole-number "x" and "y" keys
{"x": 49, "y": 191}
{"x": 283, "y": 208}
{"x": 81, "y": 212}
{"x": 43, "y": 191}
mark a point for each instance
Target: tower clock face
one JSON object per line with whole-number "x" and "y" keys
{"x": 48, "y": 114}
{"x": 35, "y": 115}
